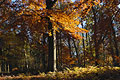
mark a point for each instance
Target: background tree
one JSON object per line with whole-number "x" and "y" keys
{"x": 38, "y": 30}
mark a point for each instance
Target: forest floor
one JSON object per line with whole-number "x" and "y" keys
{"x": 76, "y": 73}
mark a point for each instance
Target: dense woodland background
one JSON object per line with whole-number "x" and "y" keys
{"x": 48, "y": 35}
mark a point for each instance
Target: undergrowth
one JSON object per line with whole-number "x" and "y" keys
{"x": 76, "y": 73}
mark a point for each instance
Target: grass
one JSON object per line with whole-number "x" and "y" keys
{"x": 76, "y": 73}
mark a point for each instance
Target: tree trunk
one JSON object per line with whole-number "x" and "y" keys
{"x": 51, "y": 40}
{"x": 52, "y": 49}
{"x": 83, "y": 41}
{"x": 90, "y": 44}
{"x": 95, "y": 37}
{"x": 55, "y": 55}
{"x": 61, "y": 49}
{"x": 115, "y": 42}
{"x": 57, "y": 50}
{"x": 69, "y": 45}
{"x": 8, "y": 68}
{"x": 112, "y": 52}
{"x": 43, "y": 55}
{"x": 0, "y": 68}
{"x": 76, "y": 50}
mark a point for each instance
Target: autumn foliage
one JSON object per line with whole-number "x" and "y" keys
{"x": 36, "y": 35}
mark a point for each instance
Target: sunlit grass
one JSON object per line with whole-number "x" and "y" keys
{"x": 76, "y": 73}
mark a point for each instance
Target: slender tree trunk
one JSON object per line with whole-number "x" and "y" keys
{"x": 112, "y": 51}
{"x": 55, "y": 55}
{"x": 57, "y": 50}
{"x": 69, "y": 45}
{"x": 43, "y": 55}
{"x": 5, "y": 67}
{"x": 8, "y": 68}
{"x": 95, "y": 37}
{"x": 83, "y": 41}
{"x": 90, "y": 44}
{"x": 115, "y": 41}
{"x": 76, "y": 50}
{"x": 61, "y": 49}
{"x": 86, "y": 39}
{"x": 83, "y": 47}
{"x": 0, "y": 68}
{"x": 0, "y": 51}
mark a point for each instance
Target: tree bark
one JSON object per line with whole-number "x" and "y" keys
{"x": 83, "y": 41}
{"x": 61, "y": 49}
{"x": 51, "y": 40}
{"x": 112, "y": 51}
{"x": 95, "y": 37}
{"x": 57, "y": 50}
{"x": 69, "y": 45}
{"x": 52, "y": 48}
{"x": 0, "y": 68}
{"x": 115, "y": 42}
{"x": 43, "y": 55}
{"x": 76, "y": 50}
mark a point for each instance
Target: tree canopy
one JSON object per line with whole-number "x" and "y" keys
{"x": 54, "y": 34}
